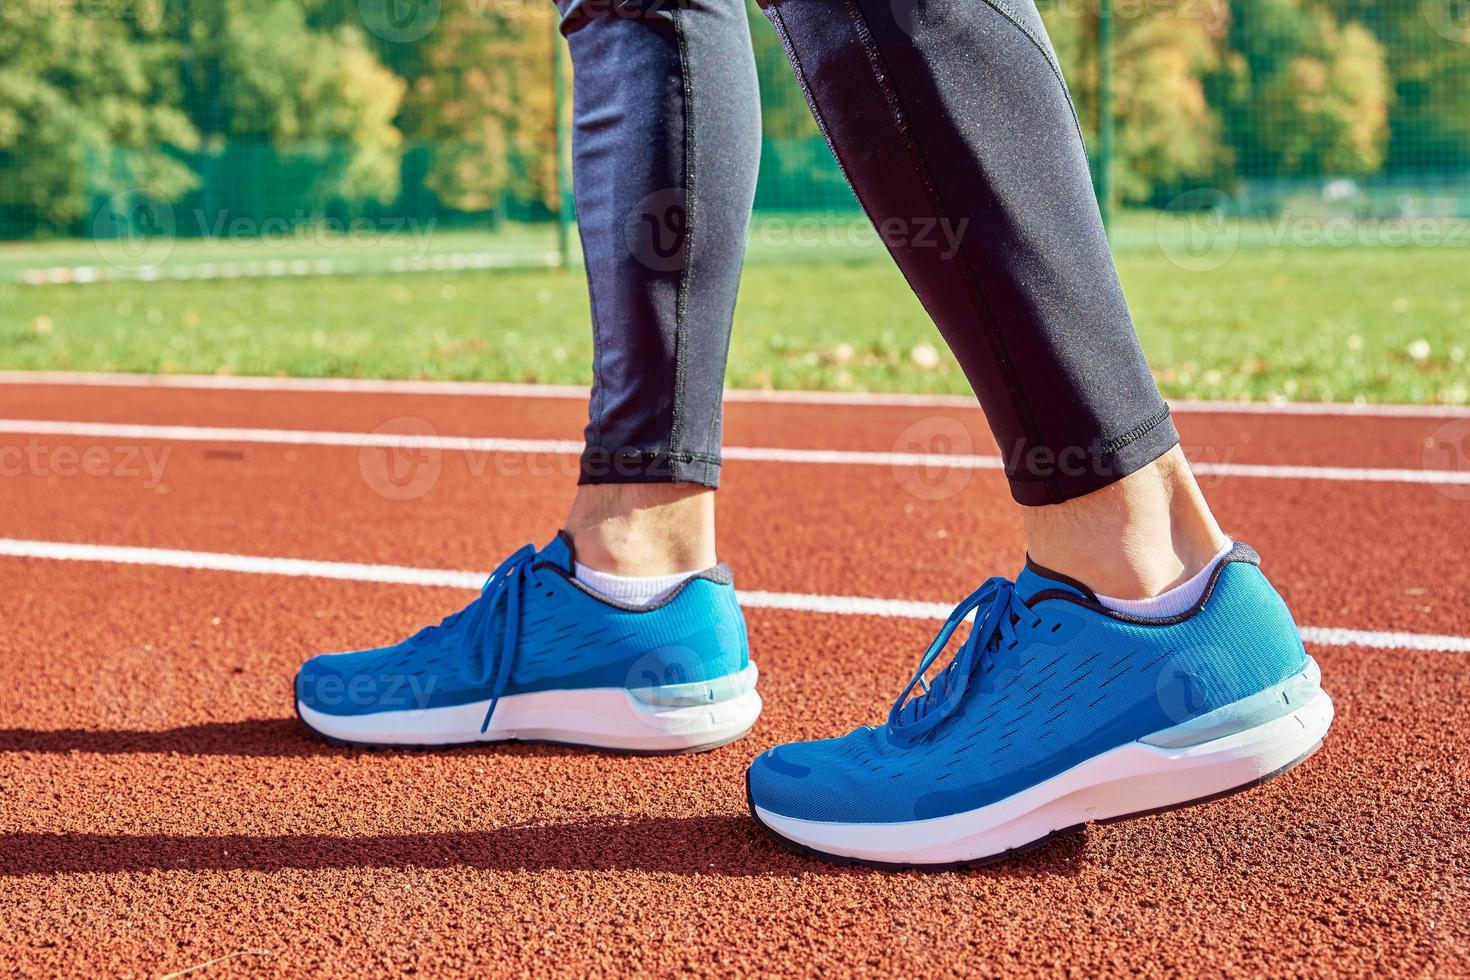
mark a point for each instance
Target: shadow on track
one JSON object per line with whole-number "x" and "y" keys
{"x": 261, "y": 737}
{"x": 729, "y": 845}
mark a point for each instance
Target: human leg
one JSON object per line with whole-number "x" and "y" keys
{"x": 654, "y": 656}
{"x": 666, "y": 139}
{"x": 1061, "y": 706}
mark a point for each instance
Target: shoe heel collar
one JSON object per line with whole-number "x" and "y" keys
{"x": 1241, "y": 553}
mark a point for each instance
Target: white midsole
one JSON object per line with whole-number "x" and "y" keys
{"x": 1133, "y": 778}
{"x": 600, "y": 717}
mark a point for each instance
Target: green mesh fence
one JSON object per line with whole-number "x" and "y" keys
{"x": 403, "y": 134}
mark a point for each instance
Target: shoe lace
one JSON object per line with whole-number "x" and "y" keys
{"x": 499, "y": 599}
{"x": 917, "y": 717}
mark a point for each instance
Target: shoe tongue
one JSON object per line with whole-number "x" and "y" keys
{"x": 557, "y": 552}
{"x": 1034, "y": 580}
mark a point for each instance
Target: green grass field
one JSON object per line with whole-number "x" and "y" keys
{"x": 1301, "y": 323}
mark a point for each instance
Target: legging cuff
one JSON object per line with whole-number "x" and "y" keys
{"x": 602, "y": 465}
{"x": 1045, "y": 475}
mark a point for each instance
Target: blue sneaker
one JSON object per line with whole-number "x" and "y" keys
{"x": 1055, "y": 713}
{"x": 537, "y": 656}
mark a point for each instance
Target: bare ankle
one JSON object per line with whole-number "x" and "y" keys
{"x": 643, "y": 529}
{"x": 1132, "y": 540}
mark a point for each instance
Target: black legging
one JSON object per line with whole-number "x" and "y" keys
{"x": 944, "y": 114}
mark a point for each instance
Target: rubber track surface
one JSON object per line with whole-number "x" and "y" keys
{"x": 161, "y": 808}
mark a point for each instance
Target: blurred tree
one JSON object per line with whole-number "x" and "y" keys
{"x": 797, "y": 171}
{"x": 1168, "y": 135}
{"x": 1428, "y": 45}
{"x": 484, "y": 100}
{"x": 1300, "y": 93}
{"x": 257, "y": 72}
{"x": 88, "y": 108}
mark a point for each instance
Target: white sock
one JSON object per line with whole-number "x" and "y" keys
{"x": 643, "y": 590}
{"x": 1179, "y": 599}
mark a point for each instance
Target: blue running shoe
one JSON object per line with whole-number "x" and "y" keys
{"x": 1056, "y": 712}
{"x": 537, "y": 656}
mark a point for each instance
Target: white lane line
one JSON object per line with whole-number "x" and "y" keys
{"x": 512, "y": 390}
{"x": 449, "y": 578}
{"x": 283, "y": 268}
{"x": 247, "y": 564}
{"x": 568, "y": 447}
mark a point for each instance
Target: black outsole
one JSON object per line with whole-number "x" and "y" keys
{"x": 1014, "y": 852}
{"x": 481, "y": 743}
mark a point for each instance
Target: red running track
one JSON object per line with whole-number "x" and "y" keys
{"x": 161, "y": 809}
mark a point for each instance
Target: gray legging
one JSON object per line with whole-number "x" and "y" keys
{"x": 944, "y": 114}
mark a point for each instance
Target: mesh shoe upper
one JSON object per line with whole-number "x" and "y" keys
{"x": 534, "y": 628}
{"x": 1045, "y": 680}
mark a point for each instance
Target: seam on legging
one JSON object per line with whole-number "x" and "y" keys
{"x": 1113, "y": 446}
{"x": 773, "y": 13}
{"x": 682, "y": 456}
{"x": 882, "y": 76}
{"x": 1136, "y": 433}
{"x": 598, "y": 405}
{"x": 1046, "y": 54}
{"x": 681, "y": 301}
